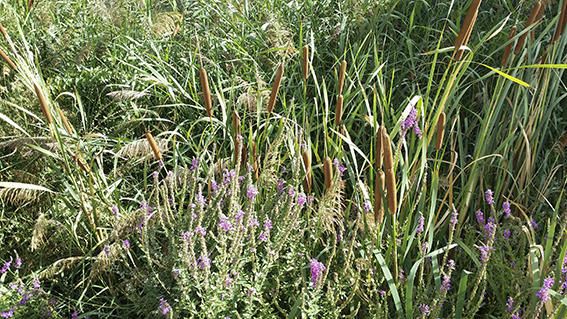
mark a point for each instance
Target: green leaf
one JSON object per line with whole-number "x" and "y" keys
{"x": 461, "y": 294}
{"x": 506, "y": 76}
{"x": 391, "y": 283}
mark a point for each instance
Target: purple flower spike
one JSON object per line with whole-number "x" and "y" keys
{"x": 301, "y": 199}
{"x": 543, "y": 293}
{"x": 126, "y": 244}
{"x": 489, "y": 197}
{"x": 454, "y": 218}
{"x": 263, "y": 236}
{"x": 203, "y": 262}
{"x": 420, "y": 224}
{"x": 507, "y": 234}
{"x": 251, "y": 192}
{"x": 194, "y": 164}
{"x": 317, "y": 269}
{"x": 225, "y": 224}
{"x": 446, "y": 283}
{"x": 280, "y": 186}
{"x": 424, "y": 309}
{"x": 164, "y": 307}
{"x": 411, "y": 122}
{"x": 340, "y": 167}
{"x": 480, "y": 217}
{"x": 510, "y": 304}
{"x": 506, "y": 209}
{"x": 75, "y": 315}
{"x": 484, "y": 253}
{"x": 367, "y": 206}
{"x": 7, "y": 314}
{"x": 200, "y": 231}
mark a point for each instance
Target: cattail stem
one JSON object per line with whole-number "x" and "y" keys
{"x": 561, "y": 23}
{"x": 531, "y": 21}
{"x": 43, "y": 103}
{"x": 328, "y": 173}
{"x": 339, "y": 110}
{"x": 307, "y": 165}
{"x": 378, "y": 194}
{"x": 275, "y": 87}
{"x": 508, "y": 49}
{"x": 203, "y": 77}
{"x": 306, "y": 62}
{"x": 379, "y": 148}
{"x": 7, "y": 59}
{"x": 466, "y": 29}
{"x": 154, "y": 146}
{"x": 440, "y": 131}
{"x": 342, "y": 74}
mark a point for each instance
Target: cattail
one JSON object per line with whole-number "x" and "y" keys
{"x": 276, "y": 87}
{"x": 30, "y": 4}
{"x": 305, "y": 62}
{"x": 391, "y": 188}
{"x": 440, "y": 131}
{"x": 466, "y": 29}
{"x": 206, "y": 91}
{"x": 379, "y": 148}
{"x": 7, "y": 59}
{"x": 66, "y": 124}
{"x": 236, "y": 122}
{"x": 255, "y": 161}
{"x": 308, "y": 175}
{"x": 387, "y": 149}
{"x": 561, "y": 22}
{"x": 328, "y": 173}
{"x": 508, "y": 49}
{"x": 4, "y": 32}
{"x": 342, "y": 73}
{"x": 237, "y": 148}
{"x": 378, "y": 193}
{"x": 43, "y": 103}
{"x": 339, "y": 110}
{"x": 81, "y": 162}
{"x": 531, "y": 20}
{"x": 154, "y": 146}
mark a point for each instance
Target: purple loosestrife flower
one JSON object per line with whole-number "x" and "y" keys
{"x": 424, "y": 309}
{"x": 301, "y": 200}
{"x": 367, "y": 206}
{"x": 75, "y": 315}
{"x": 36, "y": 284}
{"x": 228, "y": 176}
{"x": 290, "y": 191}
{"x": 253, "y": 222}
{"x": 200, "y": 199}
{"x": 268, "y": 224}
{"x": 194, "y": 164}
{"x": 200, "y": 231}
{"x": 280, "y": 186}
{"x": 251, "y": 292}
{"x": 251, "y": 192}
{"x": 411, "y": 122}
{"x": 420, "y": 224}
{"x": 7, "y": 314}
{"x": 263, "y": 236}
{"x": 480, "y": 217}
{"x": 145, "y": 206}
{"x": 6, "y": 266}
{"x": 239, "y": 215}
{"x": 186, "y": 236}
{"x": 317, "y": 269}
{"x": 489, "y": 197}
{"x": 340, "y": 167}
{"x": 114, "y": 210}
{"x": 451, "y": 264}
{"x": 25, "y": 298}
{"x": 506, "y": 209}
{"x": 515, "y": 316}
{"x": 507, "y": 234}
{"x": 175, "y": 272}
{"x": 106, "y": 250}
{"x": 18, "y": 263}
{"x": 446, "y": 283}
{"x": 164, "y": 307}
{"x": 490, "y": 227}
{"x": 228, "y": 281}
{"x": 225, "y": 224}
{"x": 214, "y": 186}
{"x": 510, "y": 304}
{"x": 203, "y": 262}
{"x": 126, "y": 244}
{"x": 454, "y": 218}
{"x": 543, "y": 293}
{"x": 484, "y": 253}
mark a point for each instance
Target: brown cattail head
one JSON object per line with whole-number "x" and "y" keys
{"x": 387, "y": 149}
{"x": 7, "y": 59}
{"x": 508, "y": 49}
{"x": 4, "y": 32}
{"x": 561, "y": 22}
{"x": 440, "y": 131}
{"x": 466, "y": 29}
{"x": 30, "y": 4}
{"x": 237, "y": 147}
{"x": 342, "y": 74}
{"x": 339, "y": 110}
{"x": 68, "y": 127}
{"x": 203, "y": 77}
{"x": 43, "y": 104}
{"x": 391, "y": 188}
{"x": 236, "y": 122}
{"x": 154, "y": 146}
{"x": 379, "y": 148}
{"x": 328, "y": 173}
{"x": 379, "y": 191}
{"x": 276, "y": 87}
{"x": 531, "y": 20}
{"x": 307, "y": 165}
{"x": 305, "y": 62}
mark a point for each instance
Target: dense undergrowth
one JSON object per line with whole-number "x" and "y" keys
{"x": 267, "y": 159}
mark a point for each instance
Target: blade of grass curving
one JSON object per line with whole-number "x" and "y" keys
{"x": 391, "y": 283}
{"x": 459, "y": 307}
